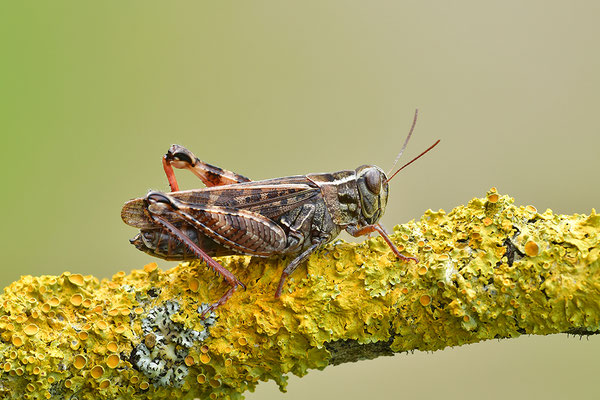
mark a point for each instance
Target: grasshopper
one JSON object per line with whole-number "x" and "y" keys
{"x": 293, "y": 215}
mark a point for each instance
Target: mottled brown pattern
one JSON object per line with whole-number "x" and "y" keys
{"x": 241, "y": 230}
{"x": 339, "y": 190}
{"x": 292, "y": 215}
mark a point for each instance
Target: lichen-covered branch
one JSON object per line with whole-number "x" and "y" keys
{"x": 487, "y": 270}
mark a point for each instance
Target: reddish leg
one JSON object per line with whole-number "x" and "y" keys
{"x": 156, "y": 200}
{"x": 180, "y": 157}
{"x": 170, "y": 175}
{"x": 376, "y": 227}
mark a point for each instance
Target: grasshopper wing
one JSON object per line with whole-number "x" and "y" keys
{"x": 270, "y": 198}
{"x": 242, "y": 231}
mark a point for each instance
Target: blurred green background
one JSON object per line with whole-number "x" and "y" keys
{"x": 92, "y": 95}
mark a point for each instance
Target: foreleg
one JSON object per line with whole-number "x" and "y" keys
{"x": 354, "y": 231}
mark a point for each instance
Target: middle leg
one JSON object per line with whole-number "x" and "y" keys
{"x": 293, "y": 265}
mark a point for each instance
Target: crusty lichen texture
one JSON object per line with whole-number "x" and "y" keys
{"x": 489, "y": 269}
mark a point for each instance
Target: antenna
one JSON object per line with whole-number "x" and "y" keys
{"x": 412, "y": 128}
{"x": 411, "y": 161}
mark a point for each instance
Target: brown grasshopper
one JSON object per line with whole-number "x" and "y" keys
{"x": 293, "y": 215}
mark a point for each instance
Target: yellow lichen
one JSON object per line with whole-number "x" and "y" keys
{"x": 79, "y": 361}
{"x": 150, "y": 340}
{"x": 425, "y": 300}
{"x": 17, "y": 341}
{"x": 150, "y": 267}
{"x": 97, "y": 371}
{"x": 113, "y": 360}
{"x": 194, "y": 284}
{"x": 76, "y": 279}
{"x": 531, "y": 249}
{"x": 31, "y": 329}
{"x": 112, "y": 346}
{"x": 479, "y": 276}
{"x": 204, "y": 358}
{"x": 102, "y": 325}
{"x": 76, "y": 299}
{"x": 531, "y": 209}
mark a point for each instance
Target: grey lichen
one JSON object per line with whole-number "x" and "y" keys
{"x": 165, "y": 345}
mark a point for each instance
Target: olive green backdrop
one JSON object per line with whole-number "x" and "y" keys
{"x": 92, "y": 94}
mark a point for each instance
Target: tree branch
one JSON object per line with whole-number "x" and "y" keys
{"x": 487, "y": 270}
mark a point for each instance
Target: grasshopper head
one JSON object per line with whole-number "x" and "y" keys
{"x": 373, "y": 192}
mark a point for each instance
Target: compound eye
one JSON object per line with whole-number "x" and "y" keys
{"x": 373, "y": 181}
